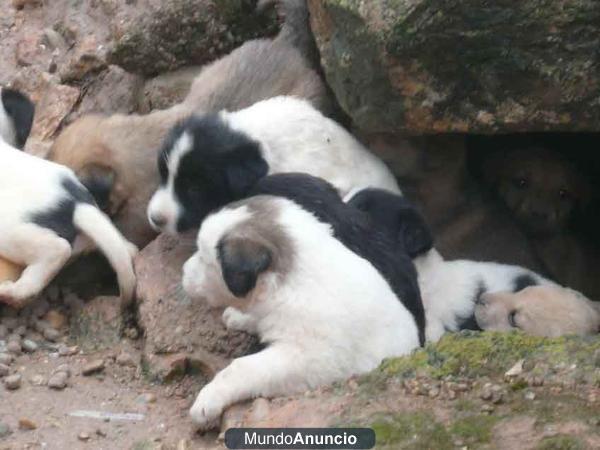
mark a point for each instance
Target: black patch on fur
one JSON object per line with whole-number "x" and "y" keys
{"x": 21, "y": 110}
{"x": 523, "y": 281}
{"x": 470, "y": 323}
{"x": 99, "y": 188}
{"x": 241, "y": 268}
{"x": 60, "y": 217}
{"x": 221, "y": 167}
{"x": 397, "y": 215}
{"x": 356, "y": 230}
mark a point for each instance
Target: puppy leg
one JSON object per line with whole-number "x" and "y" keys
{"x": 277, "y": 370}
{"x": 41, "y": 251}
{"x": 236, "y": 320}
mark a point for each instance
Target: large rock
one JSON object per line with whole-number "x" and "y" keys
{"x": 174, "y": 33}
{"x": 177, "y": 328}
{"x": 429, "y": 66}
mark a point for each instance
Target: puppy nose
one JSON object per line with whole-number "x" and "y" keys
{"x": 158, "y": 220}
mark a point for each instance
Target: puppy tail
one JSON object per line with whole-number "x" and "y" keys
{"x": 92, "y": 222}
{"x": 296, "y": 26}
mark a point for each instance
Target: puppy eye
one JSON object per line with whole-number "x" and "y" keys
{"x": 512, "y": 319}
{"x": 521, "y": 183}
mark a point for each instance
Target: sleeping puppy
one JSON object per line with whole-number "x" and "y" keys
{"x": 544, "y": 192}
{"x": 115, "y": 157}
{"x": 43, "y": 209}
{"x": 16, "y": 117}
{"x": 449, "y": 289}
{"x": 210, "y": 160}
{"x": 269, "y": 262}
{"x": 549, "y": 311}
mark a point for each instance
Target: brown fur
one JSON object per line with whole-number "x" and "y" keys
{"x": 120, "y": 151}
{"x": 550, "y": 311}
{"x": 543, "y": 192}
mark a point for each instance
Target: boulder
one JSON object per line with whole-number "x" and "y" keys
{"x": 433, "y": 66}
{"x": 180, "y": 333}
{"x": 175, "y": 33}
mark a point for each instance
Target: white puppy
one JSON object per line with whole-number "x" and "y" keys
{"x": 324, "y": 312}
{"x": 210, "y": 160}
{"x": 43, "y": 209}
{"x": 449, "y": 289}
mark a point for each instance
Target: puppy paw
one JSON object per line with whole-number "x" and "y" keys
{"x": 207, "y": 409}
{"x": 236, "y": 320}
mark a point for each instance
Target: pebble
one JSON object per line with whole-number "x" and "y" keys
{"x": 529, "y": 395}
{"x": 146, "y": 398}
{"x": 21, "y": 330}
{"x": 37, "y": 380}
{"x": 12, "y": 382}
{"x": 14, "y": 347}
{"x": 58, "y": 381}
{"x": 487, "y": 408}
{"x": 29, "y": 346}
{"x": 4, "y": 370}
{"x": 83, "y": 436}
{"x": 65, "y": 350}
{"x": 51, "y": 334}
{"x": 93, "y": 367}
{"x": 6, "y": 359}
{"x": 132, "y": 333}
{"x": 55, "y": 319}
{"x": 125, "y": 359}
{"x": 63, "y": 368}
{"x": 27, "y": 424}
{"x": 515, "y": 370}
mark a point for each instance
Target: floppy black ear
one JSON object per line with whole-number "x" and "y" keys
{"x": 243, "y": 168}
{"x": 414, "y": 233}
{"x": 21, "y": 111}
{"x": 99, "y": 181}
{"x": 242, "y": 261}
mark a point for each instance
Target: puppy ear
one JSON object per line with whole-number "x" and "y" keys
{"x": 243, "y": 168}
{"x": 21, "y": 110}
{"x": 414, "y": 233}
{"x": 242, "y": 261}
{"x": 99, "y": 181}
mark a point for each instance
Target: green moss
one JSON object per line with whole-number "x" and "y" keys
{"x": 411, "y": 431}
{"x": 488, "y": 353}
{"x": 476, "y": 429}
{"x": 561, "y": 442}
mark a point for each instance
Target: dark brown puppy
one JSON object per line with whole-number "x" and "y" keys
{"x": 543, "y": 192}
{"x": 115, "y": 156}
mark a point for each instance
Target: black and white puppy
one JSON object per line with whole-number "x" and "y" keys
{"x": 16, "y": 117}
{"x": 325, "y": 312}
{"x": 43, "y": 209}
{"x": 209, "y": 160}
{"x": 449, "y": 289}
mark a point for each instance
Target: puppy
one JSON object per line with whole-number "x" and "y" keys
{"x": 210, "y": 160}
{"x": 115, "y": 157}
{"x": 16, "y": 117}
{"x": 43, "y": 209}
{"x": 269, "y": 261}
{"x": 549, "y": 311}
{"x": 544, "y": 192}
{"x": 449, "y": 289}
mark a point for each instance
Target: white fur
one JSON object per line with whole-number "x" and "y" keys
{"x": 331, "y": 316}
{"x": 7, "y": 127}
{"x": 30, "y": 185}
{"x": 448, "y": 288}
{"x": 163, "y": 205}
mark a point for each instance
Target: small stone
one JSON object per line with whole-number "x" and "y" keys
{"x": 56, "y": 319}
{"x": 6, "y": 359}
{"x": 14, "y": 347}
{"x": 4, "y": 430}
{"x": 27, "y": 424}
{"x": 529, "y": 395}
{"x": 146, "y": 398}
{"x": 536, "y": 381}
{"x": 37, "y": 380}
{"x": 487, "y": 408}
{"x": 58, "y": 380}
{"x": 63, "y": 368}
{"x": 132, "y": 333}
{"x": 83, "y": 436}
{"x": 93, "y": 367}
{"x": 462, "y": 387}
{"x": 451, "y": 395}
{"x": 12, "y": 382}
{"x": 4, "y": 370}
{"x": 433, "y": 392}
{"x": 51, "y": 334}
{"x": 100, "y": 432}
{"x": 21, "y": 330}
{"x": 29, "y": 346}
{"x": 515, "y": 370}
{"x": 125, "y": 359}
{"x": 65, "y": 350}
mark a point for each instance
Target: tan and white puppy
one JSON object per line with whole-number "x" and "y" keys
{"x": 549, "y": 311}
{"x": 324, "y": 312}
{"x": 115, "y": 157}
